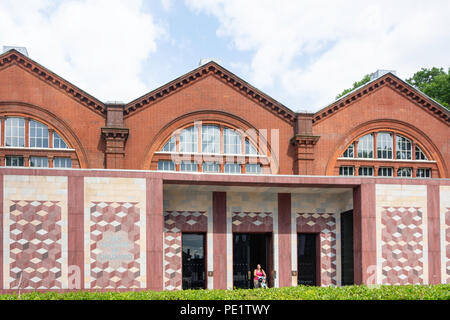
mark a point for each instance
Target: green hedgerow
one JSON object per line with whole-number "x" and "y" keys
{"x": 409, "y": 292}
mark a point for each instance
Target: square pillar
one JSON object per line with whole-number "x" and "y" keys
{"x": 434, "y": 235}
{"x": 284, "y": 240}
{"x": 76, "y": 232}
{"x": 155, "y": 223}
{"x": 220, "y": 240}
{"x": 364, "y": 234}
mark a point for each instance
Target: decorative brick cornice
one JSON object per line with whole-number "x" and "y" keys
{"x": 226, "y": 77}
{"x": 304, "y": 140}
{"x": 14, "y": 57}
{"x": 115, "y": 133}
{"x": 396, "y": 84}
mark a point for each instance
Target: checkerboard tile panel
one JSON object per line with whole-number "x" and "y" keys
{"x": 325, "y": 225}
{"x": 255, "y": 221}
{"x": 176, "y": 222}
{"x": 447, "y": 247}
{"x": 114, "y": 217}
{"x": 35, "y": 244}
{"x": 402, "y": 246}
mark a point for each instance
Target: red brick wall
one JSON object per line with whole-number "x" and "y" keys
{"x": 18, "y": 85}
{"x": 207, "y": 94}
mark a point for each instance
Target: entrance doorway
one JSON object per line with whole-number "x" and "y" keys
{"x": 306, "y": 252}
{"x": 250, "y": 249}
{"x": 194, "y": 267}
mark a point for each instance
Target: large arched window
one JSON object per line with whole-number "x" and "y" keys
{"x": 28, "y": 142}
{"x": 385, "y": 154}
{"x": 211, "y": 148}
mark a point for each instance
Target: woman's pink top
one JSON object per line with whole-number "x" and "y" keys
{"x": 259, "y": 274}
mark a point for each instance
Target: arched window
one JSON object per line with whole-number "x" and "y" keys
{"x": 222, "y": 149}
{"x": 28, "y": 142}
{"x": 385, "y": 154}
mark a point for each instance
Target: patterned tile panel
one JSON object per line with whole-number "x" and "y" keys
{"x": 176, "y": 222}
{"x": 445, "y": 233}
{"x": 446, "y": 249}
{"x": 115, "y": 233}
{"x": 402, "y": 246}
{"x": 325, "y": 225}
{"x": 35, "y": 244}
{"x": 35, "y": 232}
{"x": 115, "y": 245}
{"x": 252, "y": 221}
{"x": 401, "y": 234}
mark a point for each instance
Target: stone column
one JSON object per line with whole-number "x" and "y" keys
{"x": 284, "y": 240}
{"x": 155, "y": 222}
{"x": 364, "y": 233}
{"x": 220, "y": 239}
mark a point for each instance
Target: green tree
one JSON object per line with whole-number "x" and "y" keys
{"x": 434, "y": 82}
{"x": 355, "y": 85}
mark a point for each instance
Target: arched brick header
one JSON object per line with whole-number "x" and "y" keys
{"x": 391, "y": 125}
{"x": 26, "y": 110}
{"x": 208, "y": 117}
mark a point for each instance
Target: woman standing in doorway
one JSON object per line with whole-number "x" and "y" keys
{"x": 259, "y": 279}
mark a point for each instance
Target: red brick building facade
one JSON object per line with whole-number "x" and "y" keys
{"x": 385, "y": 133}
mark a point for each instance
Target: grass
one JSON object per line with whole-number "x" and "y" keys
{"x": 410, "y": 292}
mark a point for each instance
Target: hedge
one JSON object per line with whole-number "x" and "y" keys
{"x": 409, "y": 292}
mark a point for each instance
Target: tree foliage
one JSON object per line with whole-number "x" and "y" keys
{"x": 434, "y": 82}
{"x": 355, "y": 85}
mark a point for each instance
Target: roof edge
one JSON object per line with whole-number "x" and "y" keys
{"x": 13, "y": 56}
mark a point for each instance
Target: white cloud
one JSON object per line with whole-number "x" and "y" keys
{"x": 98, "y": 45}
{"x": 315, "y": 49}
{"x": 167, "y": 4}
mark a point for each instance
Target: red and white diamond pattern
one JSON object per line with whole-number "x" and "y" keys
{"x": 325, "y": 225}
{"x": 402, "y": 246}
{"x": 116, "y": 218}
{"x": 176, "y": 222}
{"x": 35, "y": 245}
{"x": 447, "y": 238}
{"x": 255, "y": 221}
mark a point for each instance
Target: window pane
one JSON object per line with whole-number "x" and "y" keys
{"x": 420, "y": 155}
{"x": 404, "y": 172}
{"x": 385, "y": 145}
{"x": 385, "y": 172}
{"x": 189, "y": 140}
{"x": 365, "y": 171}
{"x": 210, "y": 139}
{"x": 253, "y": 168}
{"x": 58, "y": 142}
{"x": 171, "y": 145}
{"x": 232, "y": 168}
{"x": 231, "y": 141}
{"x": 188, "y": 166}
{"x": 404, "y": 147}
{"x": 62, "y": 163}
{"x": 166, "y": 165}
{"x": 38, "y": 135}
{"x": 349, "y": 153}
{"x": 250, "y": 149}
{"x": 210, "y": 167}
{"x": 365, "y": 146}
{"x": 15, "y": 162}
{"x": 39, "y": 162}
{"x": 423, "y": 173}
{"x": 15, "y": 132}
{"x": 346, "y": 171}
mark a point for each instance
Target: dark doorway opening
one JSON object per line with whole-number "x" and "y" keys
{"x": 250, "y": 249}
{"x": 307, "y": 259}
{"x": 347, "y": 248}
{"x": 194, "y": 267}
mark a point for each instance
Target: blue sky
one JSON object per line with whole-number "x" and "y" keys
{"x": 302, "y": 53}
